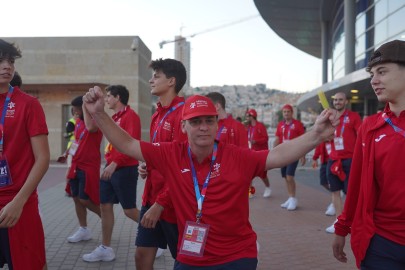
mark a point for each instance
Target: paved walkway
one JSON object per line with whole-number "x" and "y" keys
{"x": 288, "y": 239}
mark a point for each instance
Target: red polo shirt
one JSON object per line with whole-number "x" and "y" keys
{"x": 289, "y": 131}
{"x": 347, "y": 128}
{"x": 167, "y": 131}
{"x": 232, "y": 131}
{"x": 258, "y": 133}
{"x": 129, "y": 121}
{"x": 226, "y": 206}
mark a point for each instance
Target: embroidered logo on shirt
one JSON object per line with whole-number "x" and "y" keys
{"x": 184, "y": 170}
{"x": 380, "y": 137}
{"x": 10, "y": 109}
{"x": 215, "y": 170}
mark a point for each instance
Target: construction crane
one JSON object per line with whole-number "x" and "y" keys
{"x": 209, "y": 30}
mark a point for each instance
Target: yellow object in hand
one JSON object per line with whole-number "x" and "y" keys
{"x": 322, "y": 98}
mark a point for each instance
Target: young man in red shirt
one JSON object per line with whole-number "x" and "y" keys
{"x": 288, "y": 129}
{"x": 208, "y": 181}
{"x": 258, "y": 140}
{"x": 119, "y": 179}
{"x": 374, "y": 211}
{"x": 169, "y": 77}
{"x": 24, "y": 159}
{"x": 84, "y": 173}
{"x": 340, "y": 158}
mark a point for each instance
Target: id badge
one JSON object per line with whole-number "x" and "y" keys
{"x": 338, "y": 141}
{"x": 5, "y": 174}
{"x": 328, "y": 148}
{"x": 194, "y": 239}
{"x": 73, "y": 148}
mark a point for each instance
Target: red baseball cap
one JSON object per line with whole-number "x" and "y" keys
{"x": 252, "y": 112}
{"x": 198, "y": 106}
{"x": 287, "y": 107}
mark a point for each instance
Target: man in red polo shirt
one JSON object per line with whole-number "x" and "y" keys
{"x": 119, "y": 179}
{"x": 208, "y": 181}
{"x": 288, "y": 129}
{"x": 374, "y": 211}
{"x": 258, "y": 140}
{"x": 169, "y": 77}
{"x": 24, "y": 159}
{"x": 340, "y": 157}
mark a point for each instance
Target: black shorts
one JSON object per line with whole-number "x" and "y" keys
{"x": 164, "y": 234}
{"x": 322, "y": 175}
{"x": 335, "y": 183}
{"x": 289, "y": 169}
{"x": 5, "y": 254}
{"x": 241, "y": 264}
{"x": 121, "y": 188}
{"x": 78, "y": 184}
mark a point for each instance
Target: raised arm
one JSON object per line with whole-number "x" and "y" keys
{"x": 93, "y": 101}
{"x": 290, "y": 151}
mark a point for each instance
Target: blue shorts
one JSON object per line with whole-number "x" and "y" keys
{"x": 322, "y": 175}
{"x": 121, "y": 188}
{"x": 241, "y": 264}
{"x": 5, "y": 254}
{"x": 78, "y": 184}
{"x": 289, "y": 169}
{"x": 335, "y": 183}
{"x": 164, "y": 234}
{"x": 383, "y": 254}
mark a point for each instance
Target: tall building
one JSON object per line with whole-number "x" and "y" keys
{"x": 182, "y": 53}
{"x": 343, "y": 33}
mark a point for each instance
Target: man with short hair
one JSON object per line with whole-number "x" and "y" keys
{"x": 208, "y": 181}
{"x": 374, "y": 211}
{"x": 340, "y": 158}
{"x": 169, "y": 77}
{"x": 119, "y": 179}
{"x": 258, "y": 140}
{"x": 229, "y": 130}
{"x": 288, "y": 129}
{"x": 84, "y": 173}
{"x": 24, "y": 160}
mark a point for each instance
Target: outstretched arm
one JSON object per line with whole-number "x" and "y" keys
{"x": 293, "y": 150}
{"x": 93, "y": 101}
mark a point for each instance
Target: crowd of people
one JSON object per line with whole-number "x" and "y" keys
{"x": 213, "y": 159}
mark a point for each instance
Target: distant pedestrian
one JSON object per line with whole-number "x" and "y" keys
{"x": 258, "y": 140}
{"x": 340, "y": 158}
{"x": 322, "y": 153}
{"x": 84, "y": 174}
{"x": 288, "y": 129}
{"x": 119, "y": 178}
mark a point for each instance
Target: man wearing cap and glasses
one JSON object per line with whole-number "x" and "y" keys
{"x": 208, "y": 181}
{"x": 374, "y": 211}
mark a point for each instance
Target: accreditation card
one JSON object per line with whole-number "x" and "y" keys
{"x": 194, "y": 239}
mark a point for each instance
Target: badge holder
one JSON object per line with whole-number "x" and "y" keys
{"x": 194, "y": 239}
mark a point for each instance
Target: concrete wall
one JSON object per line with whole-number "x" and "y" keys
{"x": 57, "y": 69}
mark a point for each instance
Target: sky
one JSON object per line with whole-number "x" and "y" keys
{"x": 244, "y": 53}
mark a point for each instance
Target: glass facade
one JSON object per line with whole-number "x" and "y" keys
{"x": 377, "y": 21}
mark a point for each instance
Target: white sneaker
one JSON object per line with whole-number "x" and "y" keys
{"x": 267, "y": 192}
{"x": 101, "y": 253}
{"x": 159, "y": 252}
{"x": 286, "y": 203}
{"x": 292, "y": 205}
{"x": 330, "y": 211}
{"x": 82, "y": 234}
{"x": 331, "y": 228}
